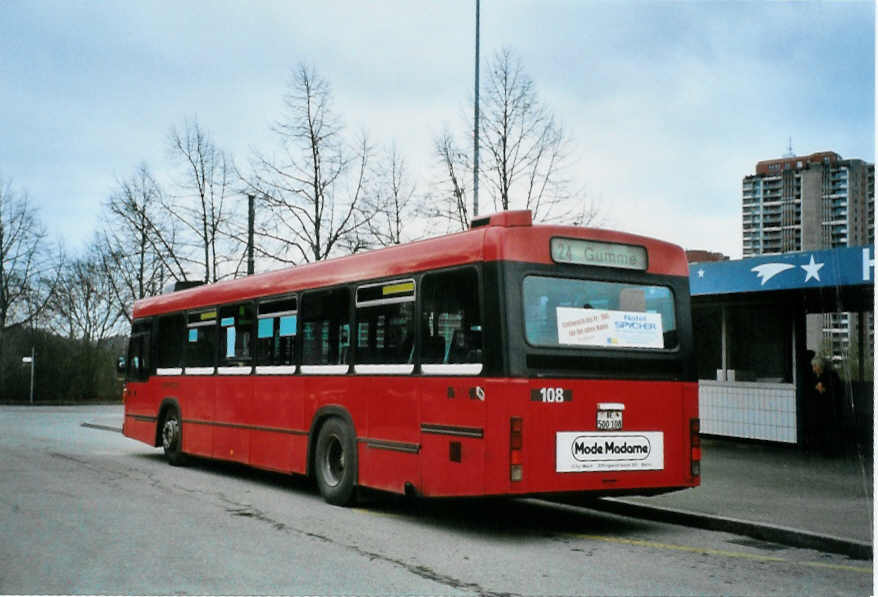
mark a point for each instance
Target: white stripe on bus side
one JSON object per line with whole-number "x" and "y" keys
{"x": 403, "y": 369}
{"x": 455, "y": 369}
{"x": 199, "y": 370}
{"x": 275, "y": 369}
{"x": 325, "y": 369}
{"x": 234, "y": 370}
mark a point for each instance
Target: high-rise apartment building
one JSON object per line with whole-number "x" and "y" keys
{"x": 819, "y": 201}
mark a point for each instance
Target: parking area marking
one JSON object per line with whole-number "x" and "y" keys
{"x": 722, "y": 553}
{"x": 101, "y": 427}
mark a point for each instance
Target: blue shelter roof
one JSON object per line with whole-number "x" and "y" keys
{"x": 805, "y": 270}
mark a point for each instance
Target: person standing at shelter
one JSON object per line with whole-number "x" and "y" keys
{"x": 827, "y": 386}
{"x": 811, "y": 417}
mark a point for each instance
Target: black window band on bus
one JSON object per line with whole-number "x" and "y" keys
{"x": 278, "y": 306}
{"x": 451, "y": 323}
{"x": 200, "y": 343}
{"x": 169, "y": 352}
{"x": 385, "y": 328}
{"x": 395, "y": 291}
{"x": 236, "y": 339}
{"x": 325, "y": 327}
{"x": 277, "y": 323}
{"x": 139, "y": 366}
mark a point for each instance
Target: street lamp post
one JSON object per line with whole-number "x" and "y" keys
{"x": 476, "y": 125}
{"x": 251, "y": 213}
{"x": 31, "y": 360}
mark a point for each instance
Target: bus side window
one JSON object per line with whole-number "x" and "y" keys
{"x": 386, "y": 323}
{"x": 276, "y": 326}
{"x": 236, "y": 331}
{"x": 170, "y": 343}
{"x": 139, "y": 352}
{"x": 452, "y": 325}
{"x": 200, "y": 347}
{"x": 326, "y": 327}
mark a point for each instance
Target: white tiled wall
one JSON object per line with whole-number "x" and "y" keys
{"x": 765, "y": 411}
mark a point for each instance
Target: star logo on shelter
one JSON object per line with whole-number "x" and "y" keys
{"x": 767, "y": 271}
{"x": 812, "y": 270}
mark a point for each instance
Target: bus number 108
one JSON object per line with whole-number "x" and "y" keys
{"x": 551, "y": 395}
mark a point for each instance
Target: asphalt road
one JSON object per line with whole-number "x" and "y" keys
{"x": 84, "y": 510}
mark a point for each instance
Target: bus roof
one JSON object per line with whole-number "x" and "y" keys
{"x": 507, "y": 236}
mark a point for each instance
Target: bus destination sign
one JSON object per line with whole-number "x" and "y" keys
{"x": 589, "y": 252}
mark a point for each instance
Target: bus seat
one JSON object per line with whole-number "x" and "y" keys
{"x": 465, "y": 346}
{"x": 632, "y": 300}
{"x": 433, "y": 349}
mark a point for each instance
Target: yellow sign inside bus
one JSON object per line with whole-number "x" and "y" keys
{"x": 403, "y": 287}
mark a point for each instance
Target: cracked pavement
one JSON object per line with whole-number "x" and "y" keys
{"x": 84, "y": 510}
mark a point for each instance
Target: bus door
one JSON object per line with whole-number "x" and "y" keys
{"x": 384, "y": 342}
{"x": 453, "y": 409}
{"x": 234, "y": 390}
{"x": 278, "y": 438}
{"x": 197, "y": 391}
{"x": 137, "y": 396}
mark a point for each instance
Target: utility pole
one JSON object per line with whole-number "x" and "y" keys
{"x": 476, "y": 125}
{"x": 251, "y": 211}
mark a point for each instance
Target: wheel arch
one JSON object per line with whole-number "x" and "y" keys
{"x": 167, "y": 404}
{"x": 320, "y": 417}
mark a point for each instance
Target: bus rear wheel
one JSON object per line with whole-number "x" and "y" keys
{"x": 335, "y": 462}
{"x": 172, "y": 438}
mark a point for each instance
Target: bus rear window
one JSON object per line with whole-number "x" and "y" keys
{"x": 570, "y": 313}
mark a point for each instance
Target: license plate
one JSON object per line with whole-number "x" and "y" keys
{"x": 609, "y": 420}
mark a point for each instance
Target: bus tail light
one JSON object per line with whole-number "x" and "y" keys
{"x": 695, "y": 447}
{"x": 515, "y": 443}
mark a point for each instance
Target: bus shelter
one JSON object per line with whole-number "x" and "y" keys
{"x": 752, "y": 341}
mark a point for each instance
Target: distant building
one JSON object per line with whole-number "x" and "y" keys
{"x": 818, "y": 201}
{"x": 701, "y": 256}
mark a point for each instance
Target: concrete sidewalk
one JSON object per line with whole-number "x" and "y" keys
{"x": 775, "y": 493}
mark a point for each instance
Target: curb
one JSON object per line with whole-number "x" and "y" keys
{"x": 765, "y": 532}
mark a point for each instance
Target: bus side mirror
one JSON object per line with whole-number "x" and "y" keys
{"x": 121, "y": 366}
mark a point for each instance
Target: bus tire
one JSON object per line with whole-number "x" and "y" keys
{"x": 172, "y": 437}
{"x": 335, "y": 462}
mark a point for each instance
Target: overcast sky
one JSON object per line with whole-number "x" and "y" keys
{"x": 669, "y": 104}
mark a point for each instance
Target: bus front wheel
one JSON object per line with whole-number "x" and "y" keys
{"x": 172, "y": 438}
{"x": 335, "y": 462}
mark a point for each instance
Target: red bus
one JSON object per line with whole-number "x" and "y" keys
{"x": 509, "y": 359}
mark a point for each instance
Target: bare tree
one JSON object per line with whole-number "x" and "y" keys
{"x": 314, "y": 186}
{"x": 138, "y": 244}
{"x": 450, "y": 202}
{"x": 393, "y": 199}
{"x": 85, "y": 307}
{"x": 84, "y": 301}
{"x": 522, "y": 140}
{"x": 525, "y": 150}
{"x": 203, "y": 206}
{"x": 29, "y": 268}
